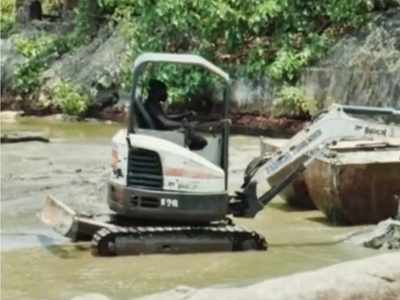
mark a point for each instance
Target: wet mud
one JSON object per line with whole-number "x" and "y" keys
{"x": 39, "y": 264}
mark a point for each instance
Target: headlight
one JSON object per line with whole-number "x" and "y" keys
{"x": 115, "y": 161}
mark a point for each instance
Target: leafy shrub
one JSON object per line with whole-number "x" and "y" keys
{"x": 87, "y": 19}
{"x": 289, "y": 61}
{"x": 32, "y": 48}
{"x": 255, "y": 38}
{"x": 39, "y": 52}
{"x": 7, "y": 17}
{"x": 51, "y": 7}
{"x": 70, "y": 99}
{"x": 292, "y": 102}
{"x": 348, "y": 13}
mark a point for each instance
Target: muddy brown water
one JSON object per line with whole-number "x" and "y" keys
{"x": 38, "y": 264}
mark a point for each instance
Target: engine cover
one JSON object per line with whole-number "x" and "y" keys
{"x": 181, "y": 169}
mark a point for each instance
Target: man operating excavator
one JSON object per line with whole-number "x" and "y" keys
{"x": 166, "y": 198}
{"x": 157, "y": 95}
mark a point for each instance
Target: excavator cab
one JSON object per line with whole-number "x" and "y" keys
{"x": 142, "y": 121}
{"x": 156, "y": 175}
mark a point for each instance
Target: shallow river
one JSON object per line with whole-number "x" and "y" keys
{"x": 38, "y": 264}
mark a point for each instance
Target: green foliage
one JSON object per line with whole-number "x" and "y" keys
{"x": 183, "y": 82}
{"x": 7, "y": 17}
{"x": 38, "y": 53}
{"x": 87, "y": 19}
{"x": 32, "y": 48}
{"x": 7, "y": 23}
{"x": 263, "y": 37}
{"x": 52, "y": 6}
{"x": 7, "y": 6}
{"x": 289, "y": 61}
{"x": 70, "y": 99}
{"x": 348, "y": 13}
{"x": 292, "y": 102}
{"x": 277, "y": 38}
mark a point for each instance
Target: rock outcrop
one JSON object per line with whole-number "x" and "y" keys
{"x": 254, "y": 96}
{"x": 95, "y": 68}
{"x": 10, "y": 59}
{"x": 361, "y": 69}
{"x": 384, "y": 235}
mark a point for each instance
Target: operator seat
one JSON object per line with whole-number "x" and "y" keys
{"x": 143, "y": 118}
{"x": 155, "y": 119}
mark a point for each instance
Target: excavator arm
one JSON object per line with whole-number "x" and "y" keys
{"x": 338, "y": 123}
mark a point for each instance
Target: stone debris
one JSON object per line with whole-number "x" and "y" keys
{"x": 384, "y": 235}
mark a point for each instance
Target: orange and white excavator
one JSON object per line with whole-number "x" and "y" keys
{"x": 169, "y": 198}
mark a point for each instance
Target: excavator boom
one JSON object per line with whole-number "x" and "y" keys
{"x": 336, "y": 124}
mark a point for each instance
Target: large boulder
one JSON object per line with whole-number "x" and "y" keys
{"x": 10, "y": 59}
{"x": 254, "y": 96}
{"x": 362, "y": 69}
{"x": 384, "y": 235}
{"x": 94, "y": 67}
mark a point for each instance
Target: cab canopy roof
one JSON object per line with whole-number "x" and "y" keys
{"x": 188, "y": 59}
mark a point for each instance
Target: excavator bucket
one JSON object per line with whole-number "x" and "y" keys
{"x": 67, "y": 222}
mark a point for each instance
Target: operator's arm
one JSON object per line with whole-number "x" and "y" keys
{"x": 168, "y": 123}
{"x": 156, "y": 112}
{"x": 180, "y": 116}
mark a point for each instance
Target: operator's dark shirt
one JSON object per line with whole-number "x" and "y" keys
{"x": 162, "y": 122}
{"x": 159, "y": 117}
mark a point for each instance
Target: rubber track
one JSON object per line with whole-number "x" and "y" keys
{"x": 240, "y": 239}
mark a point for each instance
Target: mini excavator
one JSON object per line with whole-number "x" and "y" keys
{"x": 168, "y": 198}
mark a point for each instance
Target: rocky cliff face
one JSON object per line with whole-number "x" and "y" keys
{"x": 95, "y": 67}
{"x": 254, "y": 96}
{"x": 9, "y": 61}
{"x": 363, "y": 68}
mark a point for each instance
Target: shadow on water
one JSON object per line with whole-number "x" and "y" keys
{"x": 52, "y": 245}
{"x": 321, "y": 220}
{"x": 65, "y": 252}
{"x": 283, "y": 206}
{"x": 324, "y": 221}
{"x": 300, "y": 245}
{"x": 62, "y": 251}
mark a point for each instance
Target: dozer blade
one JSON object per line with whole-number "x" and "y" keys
{"x": 58, "y": 216}
{"x": 67, "y": 222}
{"x": 109, "y": 239}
